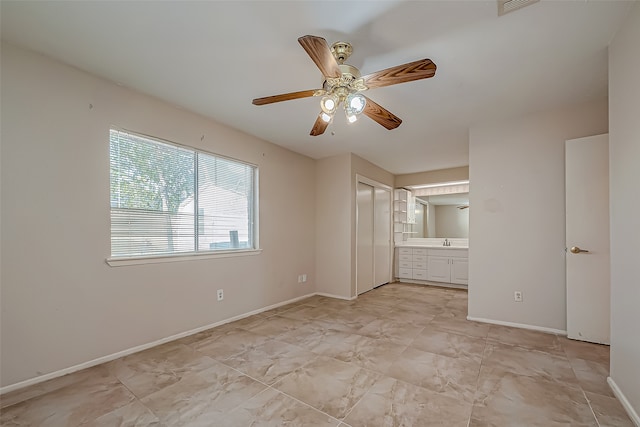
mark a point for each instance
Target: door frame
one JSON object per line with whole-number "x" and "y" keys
{"x": 375, "y": 184}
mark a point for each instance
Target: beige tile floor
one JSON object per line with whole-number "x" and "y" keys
{"x": 400, "y": 355}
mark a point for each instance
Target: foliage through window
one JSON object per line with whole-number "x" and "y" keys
{"x": 167, "y": 199}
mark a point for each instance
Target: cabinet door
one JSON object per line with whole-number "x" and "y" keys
{"x": 438, "y": 268}
{"x": 460, "y": 271}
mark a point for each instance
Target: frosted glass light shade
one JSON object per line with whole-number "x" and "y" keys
{"x": 328, "y": 104}
{"x": 356, "y": 103}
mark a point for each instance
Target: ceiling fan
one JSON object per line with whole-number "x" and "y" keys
{"x": 343, "y": 84}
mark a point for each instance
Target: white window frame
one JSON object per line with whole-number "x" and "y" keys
{"x": 120, "y": 261}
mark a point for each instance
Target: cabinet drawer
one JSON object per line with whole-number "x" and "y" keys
{"x": 419, "y": 274}
{"x": 405, "y": 258}
{"x": 419, "y": 251}
{"x": 405, "y": 273}
{"x": 422, "y": 265}
{"x": 405, "y": 264}
{"x": 419, "y": 258}
{"x": 404, "y": 251}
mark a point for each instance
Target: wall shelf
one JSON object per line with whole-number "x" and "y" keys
{"x": 404, "y": 214}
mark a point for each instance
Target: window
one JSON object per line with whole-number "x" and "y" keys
{"x": 169, "y": 200}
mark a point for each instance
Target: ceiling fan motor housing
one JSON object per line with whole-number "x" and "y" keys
{"x": 349, "y": 82}
{"x": 341, "y": 51}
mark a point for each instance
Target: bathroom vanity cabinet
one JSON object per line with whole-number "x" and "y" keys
{"x": 447, "y": 265}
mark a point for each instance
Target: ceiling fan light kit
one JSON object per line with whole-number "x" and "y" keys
{"x": 342, "y": 84}
{"x": 329, "y": 104}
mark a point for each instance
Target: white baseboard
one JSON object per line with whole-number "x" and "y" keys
{"x": 519, "y": 325}
{"x": 110, "y": 357}
{"x": 438, "y": 284}
{"x": 324, "y": 294}
{"x": 623, "y": 400}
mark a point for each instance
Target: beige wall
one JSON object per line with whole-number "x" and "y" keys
{"x": 624, "y": 150}
{"x": 62, "y": 305}
{"x": 432, "y": 177}
{"x": 333, "y": 225}
{"x": 451, "y": 221}
{"x": 516, "y": 229}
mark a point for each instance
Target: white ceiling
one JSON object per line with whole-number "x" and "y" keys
{"x": 214, "y": 57}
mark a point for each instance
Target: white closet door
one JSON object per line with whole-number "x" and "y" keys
{"x": 365, "y": 238}
{"x": 382, "y": 236}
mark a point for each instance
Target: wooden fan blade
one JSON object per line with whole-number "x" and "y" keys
{"x": 401, "y": 74}
{"x": 319, "y": 51}
{"x": 381, "y": 115}
{"x": 284, "y": 97}
{"x": 318, "y": 127}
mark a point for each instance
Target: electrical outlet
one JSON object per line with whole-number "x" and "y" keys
{"x": 304, "y": 277}
{"x": 220, "y": 294}
{"x": 517, "y": 296}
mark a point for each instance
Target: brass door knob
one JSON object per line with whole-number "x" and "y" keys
{"x": 577, "y": 250}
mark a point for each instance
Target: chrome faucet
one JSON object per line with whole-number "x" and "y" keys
{"x": 446, "y": 242}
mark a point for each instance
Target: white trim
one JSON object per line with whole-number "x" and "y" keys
{"x": 324, "y": 294}
{"x": 429, "y": 283}
{"x": 371, "y": 182}
{"x": 113, "y": 356}
{"x": 624, "y": 401}
{"x": 120, "y": 262}
{"x": 519, "y": 325}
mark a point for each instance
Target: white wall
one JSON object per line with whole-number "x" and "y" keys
{"x": 624, "y": 158}
{"x": 61, "y": 303}
{"x": 516, "y": 229}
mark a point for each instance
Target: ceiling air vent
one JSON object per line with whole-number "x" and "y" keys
{"x": 506, "y": 6}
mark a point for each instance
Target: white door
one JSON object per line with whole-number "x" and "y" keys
{"x": 382, "y": 236}
{"x": 587, "y": 238}
{"x": 365, "y": 234}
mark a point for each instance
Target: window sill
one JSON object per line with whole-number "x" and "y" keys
{"x": 157, "y": 259}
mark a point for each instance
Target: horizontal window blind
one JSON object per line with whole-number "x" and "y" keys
{"x": 167, "y": 199}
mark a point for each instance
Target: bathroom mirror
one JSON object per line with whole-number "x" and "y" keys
{"x": 442, "y": 216}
